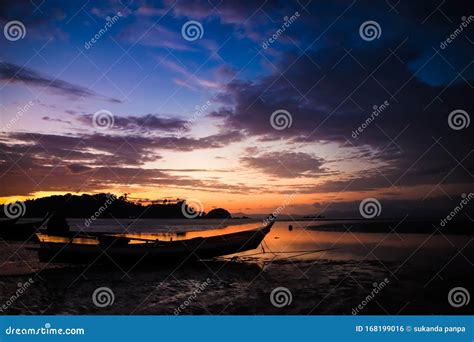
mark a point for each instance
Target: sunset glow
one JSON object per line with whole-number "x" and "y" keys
{"x": 142, "y": 109}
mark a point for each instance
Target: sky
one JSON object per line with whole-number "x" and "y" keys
{"x": 307, "y": 107}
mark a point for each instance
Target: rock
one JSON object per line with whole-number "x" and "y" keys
{"x": 219, "y": 213}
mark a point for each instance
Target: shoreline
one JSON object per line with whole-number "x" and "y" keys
{"x": 421, "y": 269}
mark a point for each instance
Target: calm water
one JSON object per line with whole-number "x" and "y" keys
{"x": 421, "y": 269}
{"x": 345, "y": 245}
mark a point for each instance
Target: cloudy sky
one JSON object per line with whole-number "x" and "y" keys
{"x": 246, "y": 105}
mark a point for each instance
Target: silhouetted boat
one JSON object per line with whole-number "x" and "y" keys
{"x": 109, "y": 247}
{"x": 10, "y": 230}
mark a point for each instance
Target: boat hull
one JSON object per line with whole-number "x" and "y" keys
{"x": 159, "y": 252}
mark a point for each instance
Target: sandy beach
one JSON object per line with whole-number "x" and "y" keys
{"x": 416, "y": 270}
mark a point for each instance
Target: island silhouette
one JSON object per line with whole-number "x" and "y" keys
{"x": 109, "y": 205}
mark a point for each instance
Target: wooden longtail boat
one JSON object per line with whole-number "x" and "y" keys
{"x": 109, "y": 247}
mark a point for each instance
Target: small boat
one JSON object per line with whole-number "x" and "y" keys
{"x": 11, "y": 230}
{"x": 84, "y": 249}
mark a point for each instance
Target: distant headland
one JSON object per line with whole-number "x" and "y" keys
{"x": 108, "y": 206}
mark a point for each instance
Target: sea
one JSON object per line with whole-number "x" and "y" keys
{"x": 302, "y": 267}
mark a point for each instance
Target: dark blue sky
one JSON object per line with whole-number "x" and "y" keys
{"x": 193, "y": 118}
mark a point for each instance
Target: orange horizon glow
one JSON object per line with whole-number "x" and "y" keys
{"x": 286, "y": 203}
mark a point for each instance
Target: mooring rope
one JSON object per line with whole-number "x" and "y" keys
{"x": 302, "y": 252}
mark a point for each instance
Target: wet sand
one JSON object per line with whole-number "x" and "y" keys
{"x": 420, "y": 270}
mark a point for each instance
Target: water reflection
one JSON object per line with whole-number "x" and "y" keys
{"x": 344, "y": 245}
{"x": 331, "y": 282}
